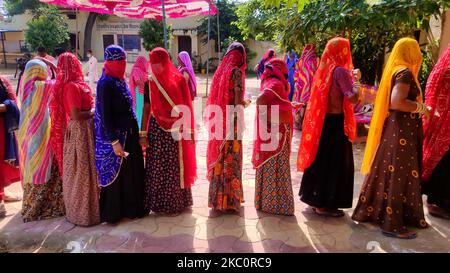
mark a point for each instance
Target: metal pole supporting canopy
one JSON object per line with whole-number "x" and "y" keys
{"x": 209, "y": 49}
{"x": 164, "y": 24}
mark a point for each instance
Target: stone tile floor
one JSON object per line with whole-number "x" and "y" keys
{"x": 200, "y": 230}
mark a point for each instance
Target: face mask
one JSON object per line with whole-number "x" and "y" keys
{"x": 89, "y": 55}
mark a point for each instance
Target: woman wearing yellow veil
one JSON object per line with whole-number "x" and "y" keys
{"x": 391, "y": 195}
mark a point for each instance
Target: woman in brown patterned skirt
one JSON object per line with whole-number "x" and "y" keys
{"x": 391, "y": 193}
{"x": 73, "y": 126}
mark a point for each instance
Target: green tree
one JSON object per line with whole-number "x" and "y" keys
{"x": 229, "y": 31}
{"x": 257, "y": 21}
{"x": 15, "y": 7}
{"x": 48, "y": 29}
{"x": 152, "y": 33}
{"x": 373, "y": 26}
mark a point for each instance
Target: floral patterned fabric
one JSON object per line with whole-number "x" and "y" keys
{"x": 44, "y": 201}
{"x": 163, "y": 193}
{"x": 225, "y": 189}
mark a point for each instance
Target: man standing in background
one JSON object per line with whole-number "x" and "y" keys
{"x": 92, "y": 73}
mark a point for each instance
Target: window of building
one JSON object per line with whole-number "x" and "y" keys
{"x": 130, "y": 43}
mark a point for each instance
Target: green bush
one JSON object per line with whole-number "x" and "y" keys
{"x": 152, "y": 34}
{"x": 48, "y": 29}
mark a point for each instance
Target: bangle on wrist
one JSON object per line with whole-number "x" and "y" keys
{"x": 115, "y": 142}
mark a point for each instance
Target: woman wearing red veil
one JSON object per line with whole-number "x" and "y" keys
{"x": 171, "y": 168}
{"x": 9, "y": 123}
{"x": 273, "y": 192}
{"x": 325, "y": 154}
{"x": 436, "y": 142}
{"x": 224, "y": 151}
{"x": 73, "y": 136}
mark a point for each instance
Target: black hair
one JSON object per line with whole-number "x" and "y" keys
{"x": 89, "y": 51}
{"x": 59, "y": 51}
{"x": 41, "y": 49}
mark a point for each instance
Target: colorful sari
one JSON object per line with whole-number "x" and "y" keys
{"x": 304, "y": 73}
{"x": 186, "y": 66}
{"x": 35, "y": 153}
{"x": 337, "y": 54}
{"x": 291, "y": 62}
{"x": 42, "y": 193}
{"x": 138, "y": 78}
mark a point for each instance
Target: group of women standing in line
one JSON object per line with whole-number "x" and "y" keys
{"x": 88, "y": 164}
{"x": 401, "y": 161}
{"x": 67, "y": 149}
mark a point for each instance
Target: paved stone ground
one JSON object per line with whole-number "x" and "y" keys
{"x": 200, "y": 230}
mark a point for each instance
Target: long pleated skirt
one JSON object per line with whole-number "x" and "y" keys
{"x": 44, "y": 201}
{"x": 273, "y": 191}
{"x": 80, "y": 186}
{"x": 163, "y": 192}
{"x": 124, "y": 198}
{"x": 328, "y": 182}
{"x": 391, "y": 194}
{"x": 225, "y": 189}
{"x": 437, "y": 188}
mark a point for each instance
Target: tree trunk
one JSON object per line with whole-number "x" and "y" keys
{"x": 88, "y": 32}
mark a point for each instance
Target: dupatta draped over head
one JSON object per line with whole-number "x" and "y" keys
{"x": 186, "y": 66}
{"x": 138, "y": 77}
{"x": 405, "y": 54}
{"x": 107, "y": 162}
{"x": 11, "y": 122}
{"x": 267, "y": 57}
{"x": 304, "y": 73}
{"x": 276, "y": 86}
{"x": 336, "y": 54}
{"x": 169, "y": 91}
{"x": 436, "y": 140}
{"x": 221, "y": 86}
{"x": 35, "y": 153}
{"x": 69, "y": 70}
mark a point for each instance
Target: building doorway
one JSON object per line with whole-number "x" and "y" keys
{"x": 108, "y": 40}
{"x": 73, "y": 39}
{"x": 185, "y": 44}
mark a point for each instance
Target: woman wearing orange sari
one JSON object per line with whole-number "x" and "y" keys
{"x": 391, "y": 194}
{"x": 329, "y": 127}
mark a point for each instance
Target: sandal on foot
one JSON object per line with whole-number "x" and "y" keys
{"x": 329, "y": 213}
{"x": 407, "y": 235}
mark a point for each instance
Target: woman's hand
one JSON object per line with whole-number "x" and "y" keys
{"x": 297, "y": 105}
{"x": 118, "y": 149}
{"x": 143, "y": 141}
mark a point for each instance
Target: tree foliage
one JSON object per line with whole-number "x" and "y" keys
{"x": 47, "y": 28}
{"x": 229, "y": 32}
{"x": 257, "y": 21}
{"x": 152, "y": 33}
{"x": 15, "y": 7}
{"x": 373, "y": 26}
